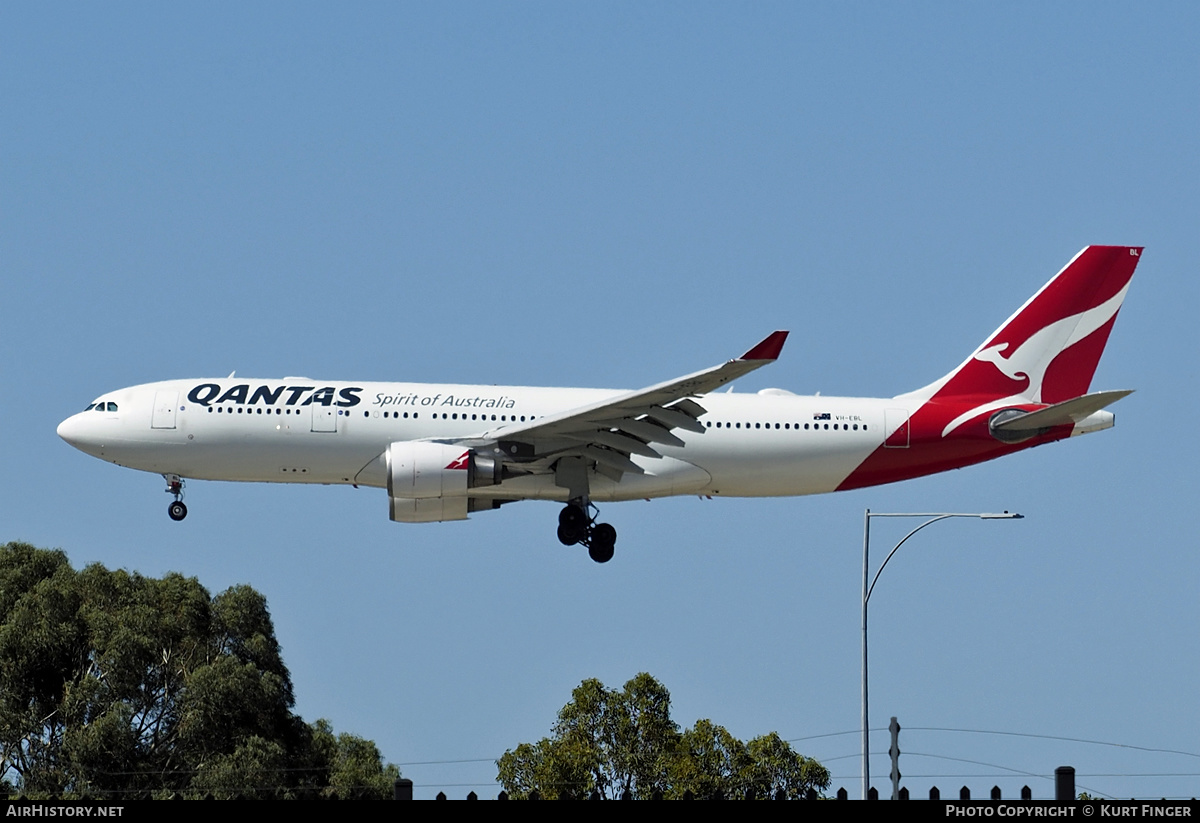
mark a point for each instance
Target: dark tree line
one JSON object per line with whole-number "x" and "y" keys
{"x": 118, "y": 685}
{"x": 608, "y": 742}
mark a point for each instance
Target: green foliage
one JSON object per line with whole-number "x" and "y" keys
{"x": 354, "y": 765}
{"x": 117, "y": 685}
{"x": 775, "y": 767}
{"x": 609, "y": 742}
{"x": 709, "y": 760}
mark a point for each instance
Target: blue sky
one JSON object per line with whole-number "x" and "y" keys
{"x": 613, "y": 195}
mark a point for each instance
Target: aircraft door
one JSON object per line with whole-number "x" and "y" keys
{"x": 324, "y": 418}
{"x": 165, "y": 404}
{"x": 895, "y": 428}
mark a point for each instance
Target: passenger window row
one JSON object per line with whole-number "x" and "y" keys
{"x": 259, "y": 410}
{"x": 795, "y": 426}
{"x": 503, "y": 418}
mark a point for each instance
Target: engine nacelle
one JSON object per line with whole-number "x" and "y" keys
{"x": 429, "y": 482}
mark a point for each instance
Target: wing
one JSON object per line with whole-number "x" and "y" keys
{"x": 608, "y": 433}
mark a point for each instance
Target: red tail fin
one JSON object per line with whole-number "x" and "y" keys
{"x": 1048, "y": 351}
{"x": 1044, "y": 355}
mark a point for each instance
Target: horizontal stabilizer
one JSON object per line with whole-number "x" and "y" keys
{"x": 1060, "y": 414}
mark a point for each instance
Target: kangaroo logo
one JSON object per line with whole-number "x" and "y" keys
{"x": 1031, "y": 359}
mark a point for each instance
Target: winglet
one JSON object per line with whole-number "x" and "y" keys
{"x": 768, "y": 349}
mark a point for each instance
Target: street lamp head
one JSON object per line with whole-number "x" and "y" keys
{"x": 1002, "y": 516}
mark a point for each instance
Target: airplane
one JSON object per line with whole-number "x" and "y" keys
{"x": 445, "y": 451}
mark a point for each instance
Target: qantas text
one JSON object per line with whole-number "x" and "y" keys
{"x": 207, "y": 394}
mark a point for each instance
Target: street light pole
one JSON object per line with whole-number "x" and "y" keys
{"x": 867, "y": 588}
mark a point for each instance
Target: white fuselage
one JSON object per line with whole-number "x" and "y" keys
{"x": 294, "y": 431}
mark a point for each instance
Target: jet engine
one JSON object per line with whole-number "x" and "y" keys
{"x": 429, "y": 482}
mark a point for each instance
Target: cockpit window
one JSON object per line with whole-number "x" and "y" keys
{"x": 112, "y": 406}
{"x": 90, "y": 407}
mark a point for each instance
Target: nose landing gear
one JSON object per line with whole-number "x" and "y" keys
{"x": 176, "y": 510}
{"x": 575, "y": 525}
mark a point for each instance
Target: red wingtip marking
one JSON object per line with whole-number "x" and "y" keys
{"x": 768, "y": 349}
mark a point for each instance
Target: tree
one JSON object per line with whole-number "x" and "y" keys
{"x": 608, "y": 742}
{"x": 352, "y": 764}
{"x": 709, "y": 761}
{"x": 115, "y": 684}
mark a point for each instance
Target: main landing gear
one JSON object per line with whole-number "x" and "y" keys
{"x": 575, "y": 525}
{"x": 176, "y": 511}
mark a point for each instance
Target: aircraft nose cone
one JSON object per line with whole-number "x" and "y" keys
{"x": 69, "y": 430}
{"x": 80, "y": 433}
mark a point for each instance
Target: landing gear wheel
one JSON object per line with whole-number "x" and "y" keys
{"x": 176, "y": 511}
{"x": 577, "y": 524}
{"x": 601, "y": 554}
{"x": 572, "y": 516}
{"x": 603, "y": 541}
{"x": 572, "y": 525}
